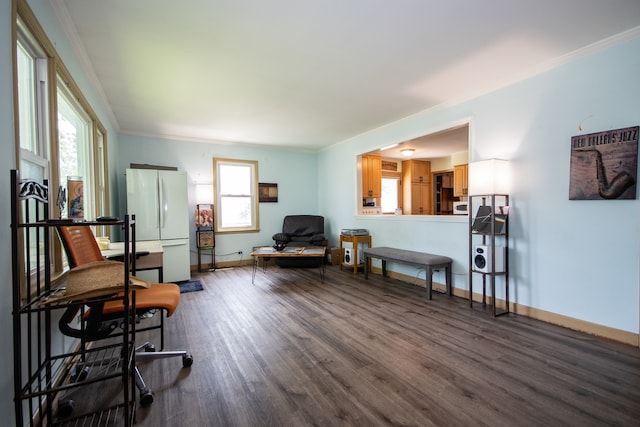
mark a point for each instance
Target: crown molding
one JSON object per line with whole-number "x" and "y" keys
{"x": 64, "y": 17}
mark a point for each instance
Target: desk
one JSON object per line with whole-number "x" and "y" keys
{"x": 152, "y": 261}
{"x": 268, "y": 252}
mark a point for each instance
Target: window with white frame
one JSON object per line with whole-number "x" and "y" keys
{"x": 75, "y": 144}
{"x": 33, "y": 106}
{"x": 33, "y": 130}
{"x": 236, "y": 195}
{"x": 390, "y": 200}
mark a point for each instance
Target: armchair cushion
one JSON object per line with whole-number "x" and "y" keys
{"x": 281, "y": 237}
{"x": 318, "y": 240}
{"x": 303, "y": 225}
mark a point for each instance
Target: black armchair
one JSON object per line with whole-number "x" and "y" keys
{"x": 300, "y": 230}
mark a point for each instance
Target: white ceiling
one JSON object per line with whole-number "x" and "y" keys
{"x": 313, "y": 73}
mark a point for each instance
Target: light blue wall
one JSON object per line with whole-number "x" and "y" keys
{"x": 575, "y": 258}
{"x": 295, "y": 172}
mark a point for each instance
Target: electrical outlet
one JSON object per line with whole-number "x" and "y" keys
{"x": 239, "y": 252}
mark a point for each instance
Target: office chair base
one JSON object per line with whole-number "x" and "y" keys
{"x": 148, "y": 351}
{"x": 146, "y": 397}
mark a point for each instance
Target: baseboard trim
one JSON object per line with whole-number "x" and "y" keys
{"x": 223, "y": 264}
{"x": 614, "y": 334}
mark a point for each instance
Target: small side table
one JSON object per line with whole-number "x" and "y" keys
{"x": 354, "y": 240}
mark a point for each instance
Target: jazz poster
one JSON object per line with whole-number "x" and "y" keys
{"x": 604, "y": 165}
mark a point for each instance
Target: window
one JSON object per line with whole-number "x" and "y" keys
{"x": 47, "y": 99}
{"x": 33, "y": 110}
{"x": 390, "y": 194}
{"x": 76, "y": 155}
{"x": 236, "y": 199}
{"x": 101, "y": 176}
{"x": 33, "y": 113}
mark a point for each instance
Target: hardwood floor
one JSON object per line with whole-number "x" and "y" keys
{"x": 291, "y": 351}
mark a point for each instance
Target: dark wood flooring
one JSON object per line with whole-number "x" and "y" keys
{"x": 291, "y": 351}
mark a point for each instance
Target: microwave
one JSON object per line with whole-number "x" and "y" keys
{"x": 460, "y": 208}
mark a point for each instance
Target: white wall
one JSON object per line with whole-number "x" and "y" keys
{"x": 575, "y": 258}
{"x": 295, "y": 172}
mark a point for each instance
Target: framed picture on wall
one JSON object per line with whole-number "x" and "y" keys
{"x": 267, "y": 193}
{"x": 604, "y": 165}
{"x": 204, "y": 216}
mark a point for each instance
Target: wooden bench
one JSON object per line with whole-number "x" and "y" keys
{"x": 428, "y": 261}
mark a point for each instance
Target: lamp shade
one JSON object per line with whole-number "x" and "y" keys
{"x": 489, "y": 177}
{"x": 204, "y": 193}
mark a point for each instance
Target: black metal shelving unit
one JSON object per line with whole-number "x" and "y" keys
{"x": 205, "y": 235}
{"x": 489, "y": 227}
{"x": 41, "y": 373}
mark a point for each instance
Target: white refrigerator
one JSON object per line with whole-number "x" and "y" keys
{"x": 158, "y": 199}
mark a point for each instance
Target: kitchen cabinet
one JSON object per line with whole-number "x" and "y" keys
{"x": 416, "y": 187}
{"x": 461, "y": 180}
{"x": 447, "y": 180}
{"x": 419, "y": 170}
{"x": 371, "y": 176}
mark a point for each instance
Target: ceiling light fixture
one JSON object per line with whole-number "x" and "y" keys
{"x": 407, "y": 152}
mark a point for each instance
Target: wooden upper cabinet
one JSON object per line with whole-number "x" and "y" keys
{"x": 447, "y": 180}
{"x": 371, "y": 176}
{"x": 416, "y": 187}
{"x": 461, "y": 180}
{"x": 418, "y": 170}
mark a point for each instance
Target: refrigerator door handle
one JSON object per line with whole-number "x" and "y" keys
{"x": 163, "y": 205}
{"x": 166, "y": 243}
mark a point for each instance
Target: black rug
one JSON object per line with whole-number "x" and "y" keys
{"x": 190, "y": 286}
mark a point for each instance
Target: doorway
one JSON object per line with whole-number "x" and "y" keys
{"x": 443, "y": 193}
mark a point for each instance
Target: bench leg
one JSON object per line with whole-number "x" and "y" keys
{"x": 448, "y": 278}
{"x": 384, "y": 268}
{"x": 429, "y": 279}
{"x": 366, "y": 266}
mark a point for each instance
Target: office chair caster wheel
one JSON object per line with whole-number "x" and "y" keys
{"x": 146, "y": 397}
{"x": 65, "y": 408}
{"x": 187, "y": 360}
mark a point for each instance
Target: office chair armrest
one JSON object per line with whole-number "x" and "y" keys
{"x": 95, "y": 328}
{"x": 120, "y": 257}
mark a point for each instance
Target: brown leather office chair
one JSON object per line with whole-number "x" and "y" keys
{"x": 103, "y": 318}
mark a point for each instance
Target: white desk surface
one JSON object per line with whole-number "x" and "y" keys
{"x": 152, "y": 261}
{"x": 151, "y": 246}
